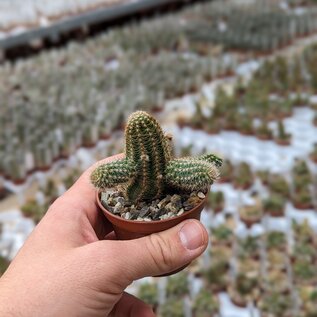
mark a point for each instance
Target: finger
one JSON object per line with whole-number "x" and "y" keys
{"x": 78, "y": 206}
{"x": 85, "y": 192}
{"x": 155, "y": 254}
{"x": 130, "y": 306}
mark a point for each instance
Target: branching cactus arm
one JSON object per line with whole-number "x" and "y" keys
{"x": 113, "y": 174}
{"x": 211, "y": 158}
{"x": 189, "y": 174}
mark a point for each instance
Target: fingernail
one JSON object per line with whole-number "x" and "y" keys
{"x": 191, "y": 235}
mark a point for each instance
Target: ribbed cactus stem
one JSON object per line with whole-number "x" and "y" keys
{"x": 148, "y": 168}
{"x": 113, "y": 173}
{"x": 189, "y": 174}
{"x": 211, "y": 158}
{"x": 149, "y": 149}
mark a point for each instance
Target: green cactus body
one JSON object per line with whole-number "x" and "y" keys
{"x": 148, "y": 167}
{"x": 150, "y": 151}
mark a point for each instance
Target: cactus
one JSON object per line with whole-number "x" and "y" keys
{"x": 149, "y": 169}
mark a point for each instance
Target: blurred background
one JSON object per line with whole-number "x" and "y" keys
{"x": 234, "y": 77}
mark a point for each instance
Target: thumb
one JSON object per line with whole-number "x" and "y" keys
{"x": 157, "y": 253}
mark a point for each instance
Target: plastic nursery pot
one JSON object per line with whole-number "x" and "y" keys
{"x": 132, "y": 229}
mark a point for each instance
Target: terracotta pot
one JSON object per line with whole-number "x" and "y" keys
{"x": 157, "y": 109}
{"x": 133, "y": 229}
{"x": 283, "y": 142}
{"x": 303, "y": 206}
{"x": 276, "y": 214}
{"x": 250, "y": 221}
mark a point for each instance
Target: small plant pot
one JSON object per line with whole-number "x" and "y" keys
{"x": 283, "y": 142}
{"x": 275, "y": 214}
{"x": 133, "y": 229}
{"x": 250, "y": 221}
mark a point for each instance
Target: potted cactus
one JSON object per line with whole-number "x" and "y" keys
{"x": 148, "y": 292}
{"x": 274, "y": 206}
{"x": 302, "y": 199}
{"x": 205, "y": 304}
{"x": 276, "y": 280}
{"x": 282, "y": 138}
{"x": 227, "y": 172}
{"x": 249, "y": 247}
{"x": 244, "y": 288}
{"x": 222, "y": 235}
{"x": 276, "y": 304}
{"x": 305, "y": 272}
{"x": 243, "y": 176}
{"x": 278, "y": 185}
{"x": 250, "y": 214}
{"x": 263, "y": 132}
{"x": 177, "y": 285}
{"x": 173, "y": 308}
{"x": 313, "y": 154}
{"x": 152, "y": 191}
{"x": 216, "y": 201}
{"x": 275, "y": 240}
{"x": 217, "y": 276}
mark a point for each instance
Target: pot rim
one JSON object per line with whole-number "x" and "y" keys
{"x": 152, "y": 222}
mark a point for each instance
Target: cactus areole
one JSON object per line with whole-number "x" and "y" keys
{"x": 148, "y": 169}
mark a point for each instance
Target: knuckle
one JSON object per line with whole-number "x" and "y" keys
{"x": 160, "y": 251}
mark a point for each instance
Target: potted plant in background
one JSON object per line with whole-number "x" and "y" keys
{"x": 216, "y": 201}
{"x": 250, "y": 214}
{"x": 263, "y": 132}
{"x": 217, "y": 276}
{"x": 222, "y": 235}
{"x": 172, "y": 307}
{"x": 205, "y": 304}
{"x": 153, "y": 191}
{"x": 303, "y": 232}
{"x": 276, "y": 304}
{"x": 274, "y": 206}
{"x": 243, "y": 289}
{"x": 249, "y": 248}
{"x": 276, "y": 280}
{"x": 227, "y": 171}
{"x": 276, "y": 240}
{"x": 313, "y": 154}
{"x": 282, "y": 138}
{"x": 243, "y": 177}
{"x": 177, "y": 286}
{"x": 148, "y": 292}
{"x": 278, "y": 185}
{"x": 305, "y": 272}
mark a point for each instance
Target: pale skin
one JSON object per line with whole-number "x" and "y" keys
{"x": 72, "y": 264}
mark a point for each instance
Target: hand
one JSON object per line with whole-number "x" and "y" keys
{"x": 71, "y": 265}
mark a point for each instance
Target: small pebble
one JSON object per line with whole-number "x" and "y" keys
{"x": 180, "y": 212}
{"x": 118, "y": 208}
{"x": 201, "y": 195}
{"x": 127, "y": 215}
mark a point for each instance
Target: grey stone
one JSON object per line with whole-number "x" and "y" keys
{"x": 144, "y": 211}
{"x": 118, "y": 208}
{"x": 121, "y": 200}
